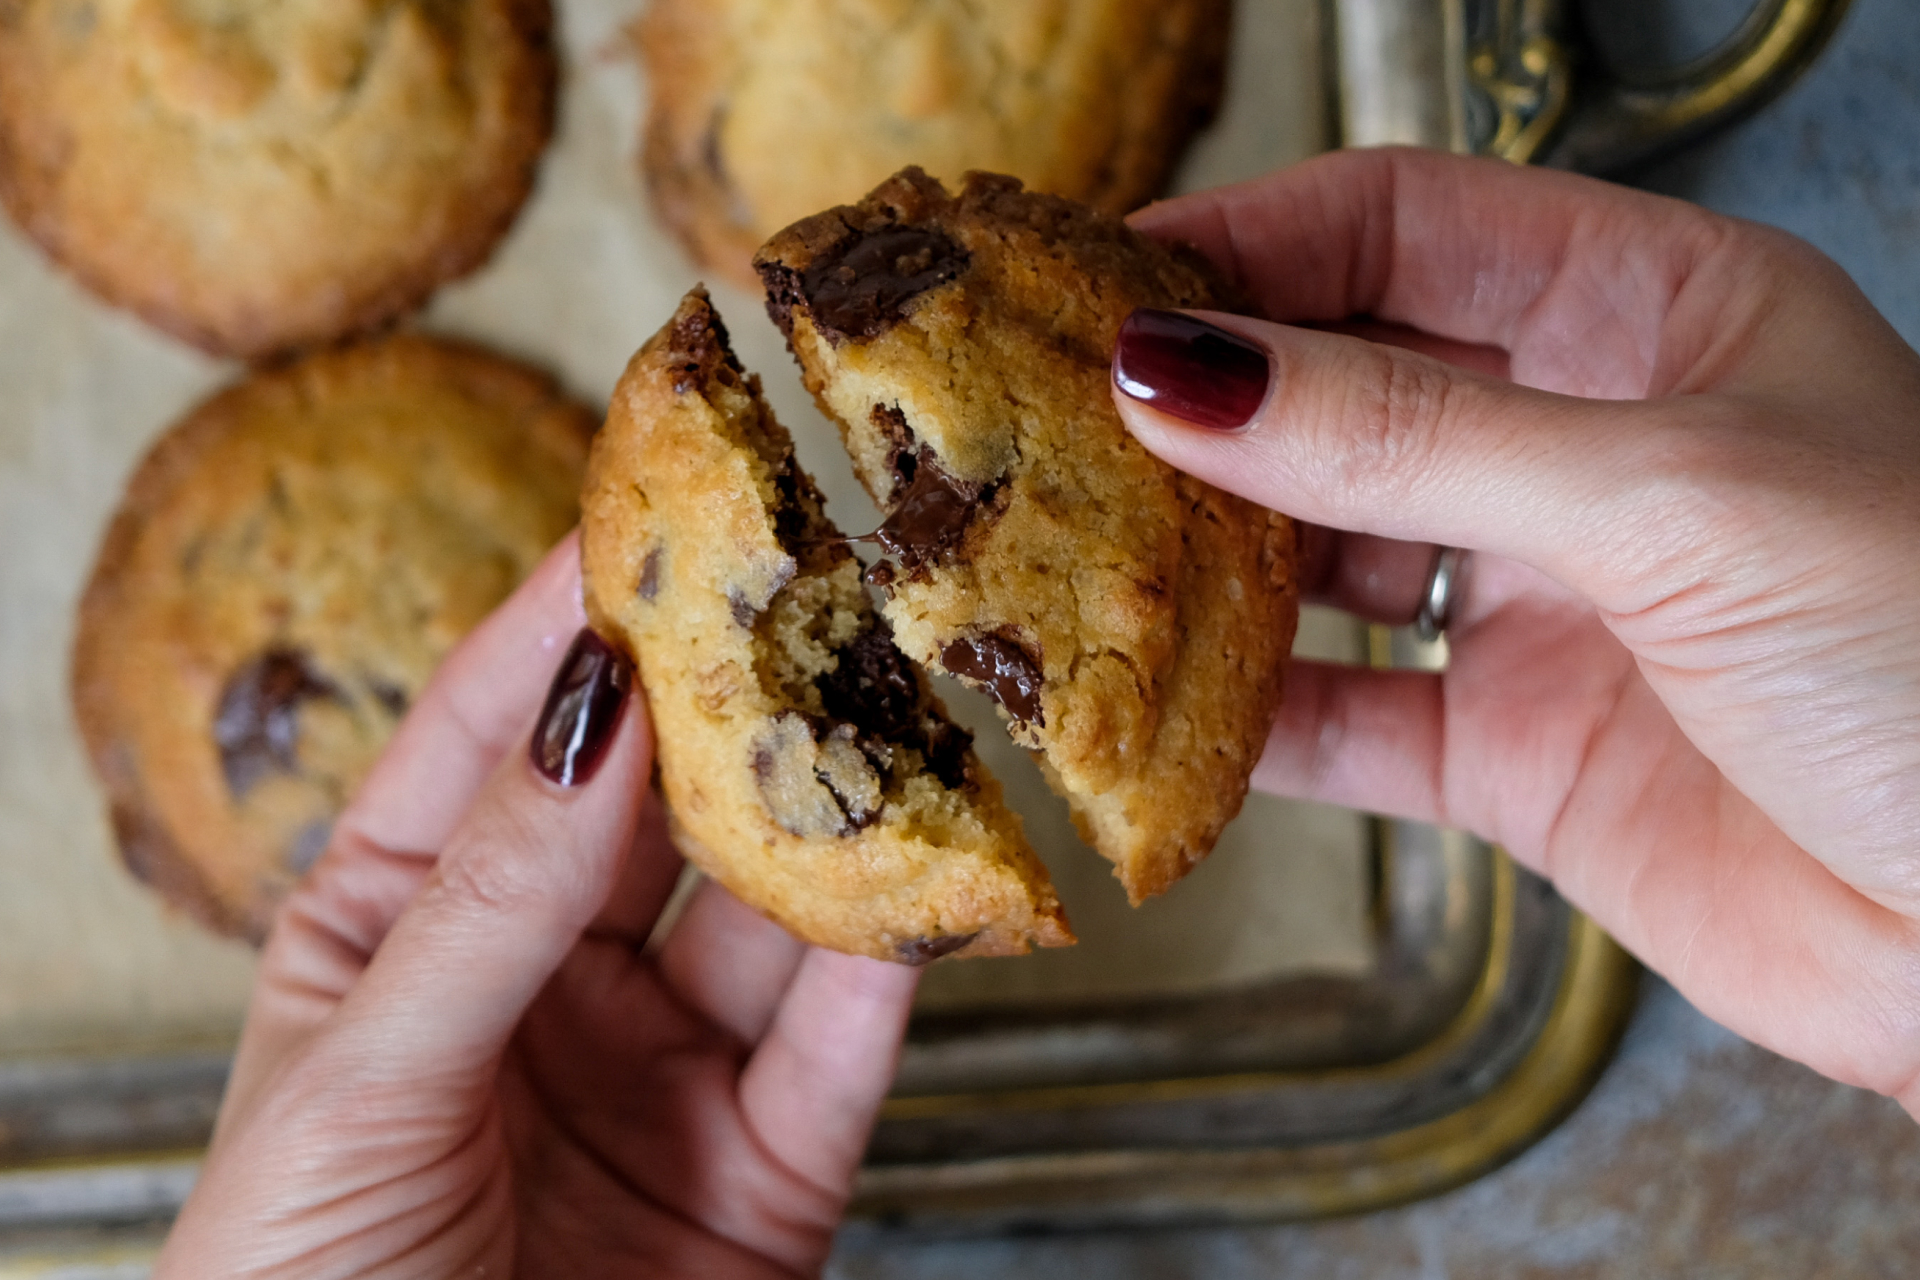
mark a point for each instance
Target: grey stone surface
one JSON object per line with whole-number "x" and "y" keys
{"x": 1697, "y": 1155}
{"x": 1835, "y": 160}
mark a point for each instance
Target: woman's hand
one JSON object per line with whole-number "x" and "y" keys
{"x": 1686, "y": 681}
{"x": 461, "y": 1058}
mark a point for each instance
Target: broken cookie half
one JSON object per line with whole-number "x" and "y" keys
{"x": 1132, "y": 622}
{"x": 805, "y": 763}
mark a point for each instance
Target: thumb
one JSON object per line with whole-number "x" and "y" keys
{"x": 1360, "y": 436}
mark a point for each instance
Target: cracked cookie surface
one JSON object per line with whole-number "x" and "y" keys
{"x": 766, "y": 110}
{"x": 1132, "y": 622}
{"x": 287, "y": 567}
{"x": 256, "y": 178}
{"x": 805, "y": 762}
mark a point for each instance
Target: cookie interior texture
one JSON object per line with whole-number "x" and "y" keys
{"x": 261, "y": 177}
{"x": 1131, "y": 621}
{"x": 766, "y": 110}
{"x": 288, "y": 565}
{"x": 805, "y": 762}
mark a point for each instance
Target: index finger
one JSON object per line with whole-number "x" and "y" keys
{"x": 472, "y": 712}
{"x": 1578, "y": 279}
{"x": 385, "y": 845}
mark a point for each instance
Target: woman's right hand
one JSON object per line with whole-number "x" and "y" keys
{"x": 1685, "y": 684}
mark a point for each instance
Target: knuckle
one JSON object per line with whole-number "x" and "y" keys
{"x": 493, "y": 876}
{"x": 1392, "y": 409}
{"x": 1718, "y": 460}
{"x": 1778, "y": 270}
{"x": 1687, "y": 474}
{"x": 1773, "y": 250}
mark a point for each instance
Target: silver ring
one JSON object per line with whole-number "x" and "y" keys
{"x": 1446, "y": 582}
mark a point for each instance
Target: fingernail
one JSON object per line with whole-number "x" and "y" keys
{"x": 1196, "y": 371}
{"x": 583, "y": 709}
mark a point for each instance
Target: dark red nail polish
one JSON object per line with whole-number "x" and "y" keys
{"x": 1196, "y": 371}
{"x": 583, "y": 709}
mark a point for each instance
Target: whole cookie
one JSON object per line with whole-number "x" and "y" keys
{"x": 259, "y": 177}
{"x": 289, "y": 564}
{"x": 763, "y": 112}
{"x": 1131, "y": 621}
{"x": 805, "y": 763}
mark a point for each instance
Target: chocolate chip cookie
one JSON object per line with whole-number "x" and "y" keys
{"x": 260, "y": 177}
{"x": 764, "y": 112}
{"x": 1131, "y": 621}
{"x": 805, "y": 763}
{"x": 287, "y": 567}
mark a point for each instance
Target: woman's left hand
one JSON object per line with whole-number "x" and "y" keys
{"x": 463, "y": 1059}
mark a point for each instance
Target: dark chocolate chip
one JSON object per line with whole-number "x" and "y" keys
{"x": 879, "y": 574}
{"x": 901, "y": 445}
{"x": 871, "y": 686}
{"x": 874, "y": 692}
{"x": 905, "y": 464}
{"x": 858, "y": 818}
{"x": 933, "y": 514}
{"x": 742, "y": 610}
{"x": 390, "y": 696}
{"x": 792, "y": 523}
{"x": 1001, "y": 663}
{"x": 860, "y": 288}
{"x": 948, "y": 750}
{"x": 931, "y": 507}
{"x": 919, "y": 951}
{"x": 846, "y": 787}
{"x": 650, "y": 575}
{"x": 790, "y": 781}
{"x": 696, "y": 347}
{"x": 257, "y": 725}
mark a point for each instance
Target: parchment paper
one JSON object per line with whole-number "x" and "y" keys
{"x": 88, "y": 959}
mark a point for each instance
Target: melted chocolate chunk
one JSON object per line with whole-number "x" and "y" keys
{"x": 931, "y": 507}
{"x": 791, "y": 523}
{"x": 933, "y": 513}
{"x": 879, "y": 574}
{"x": 949, "y": 754}
{"x": 876, "y": 693}
{"x": 860, "y": 288}
{"x": 919, "y": 951}
{"x": 872, "y": 687}
{"x": 650, "y": 575}
{"x": 257, "y": 726}
{"x": 901, "y": 445}
{"x": 1001, "y": 663}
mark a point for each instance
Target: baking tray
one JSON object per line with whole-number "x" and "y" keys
{"x": 1333, "y": 1012}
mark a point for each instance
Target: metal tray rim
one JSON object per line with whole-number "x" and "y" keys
{"x": 1148, "y": 1187}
